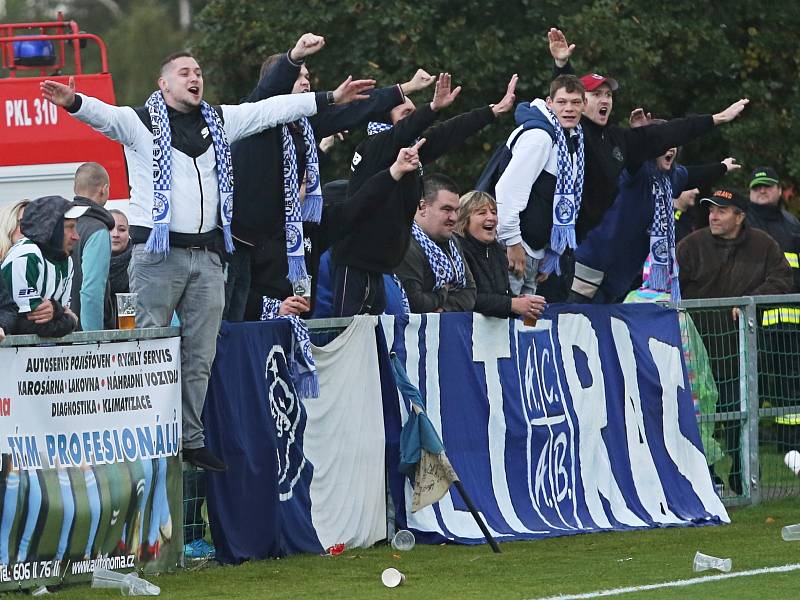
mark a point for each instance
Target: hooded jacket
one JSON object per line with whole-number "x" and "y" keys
{"x": 37, "y": 268}
{"x": 91, "y": 291}
{"x": 526, "y": 188}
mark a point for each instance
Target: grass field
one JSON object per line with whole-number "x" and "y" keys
{"x": 525, "y": 570}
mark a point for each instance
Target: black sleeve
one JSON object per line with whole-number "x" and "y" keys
{"x": 444, "y": 136}
{"x": 278, "y": 79}
{"x": 379, "y": 151}
{"x": 493, "y": 305}
{"x": 651, "y": 141}
{"x": 565, "y": 70}
{"x": 60, "y": 325}
{"x": 8, "y": 309}
{"x": 333, "y": 119}
{"x": 338, "y": 218}
{"x": 704, "y": 175}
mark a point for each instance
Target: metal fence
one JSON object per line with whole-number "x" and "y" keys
{"x": 744, "y": 367}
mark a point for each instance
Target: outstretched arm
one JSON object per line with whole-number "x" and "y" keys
{"x": 119, "y": 123}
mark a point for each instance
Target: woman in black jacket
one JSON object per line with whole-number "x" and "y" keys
{"x": 477, "y": 226}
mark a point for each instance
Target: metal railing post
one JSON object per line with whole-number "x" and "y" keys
{"x": 749, "y": 369}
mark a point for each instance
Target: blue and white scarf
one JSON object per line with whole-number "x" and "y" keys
{"x": 374, "y": 127}
{"x": 311, "y": 210}
{"x": 664, "y": 267}
{"x": 158, "y": 242}
{"x": 302, "y": 367}
{"x": 448, "y": 270}
{"x": 403, "y": 296}
{"x": 567, "y": 197}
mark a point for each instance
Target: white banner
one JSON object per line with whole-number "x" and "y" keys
{"x": 90, "y": 404}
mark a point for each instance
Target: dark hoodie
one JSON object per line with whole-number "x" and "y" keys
{"x": 43, "y": 224}
{"x": 96, "y": 221}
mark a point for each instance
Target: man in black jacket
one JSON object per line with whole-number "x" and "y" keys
{"x": 380, "y": 242}
{"x": 259, "y": 267}
{"x": 610, "y": 149}
{"x": 766, "y": 212}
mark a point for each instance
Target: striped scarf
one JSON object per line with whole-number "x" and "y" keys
{"x": 302, "y": 367}
{"x": 567, "y": 197}
{"x": 447, "y": 269}
{"x": 158, "y": 241}
{"x": 664, "y": 267}
{"x": 311, "y": 209}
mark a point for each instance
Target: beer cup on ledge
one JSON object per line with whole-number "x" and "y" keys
{"x": 126, "y": 311}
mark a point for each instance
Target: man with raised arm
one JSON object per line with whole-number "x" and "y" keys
{"x": 271, "y": 203}
{"x": 380, "y": 241}
{"x": 610, "y": 149}
{"x": 179, "y": 164}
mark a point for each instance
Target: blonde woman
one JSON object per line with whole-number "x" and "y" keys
{"x": 477, "y": 226}
{"x": 9, "y": 233}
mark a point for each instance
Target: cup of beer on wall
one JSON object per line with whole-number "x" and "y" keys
{"x": 126, "y": 311}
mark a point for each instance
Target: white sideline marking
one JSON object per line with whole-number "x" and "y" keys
{"x": 672, "y": 584}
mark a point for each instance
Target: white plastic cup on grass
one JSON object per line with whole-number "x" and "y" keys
{"x": 791, "y": 533}
{"x": 704, "y": 562}
{"x": 391, "y": 578}
{"x": 403, "y": 540}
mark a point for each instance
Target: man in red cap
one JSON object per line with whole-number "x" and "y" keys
{"x": 610, "y": 149}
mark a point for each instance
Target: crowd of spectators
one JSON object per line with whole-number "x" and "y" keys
{"x": 228, "y": 215}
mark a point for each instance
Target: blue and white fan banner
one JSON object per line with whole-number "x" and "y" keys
{"x": 582, "y": 423}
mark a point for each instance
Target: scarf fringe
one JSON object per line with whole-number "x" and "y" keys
{"x": 226, "y": 234}
{"x": 306, "y": 384}
{"x": 561, "y": 237}
{"x": 551, "y": 263}
{"x": 675, "y": 290}
{"x": 659, "y": 277}
{"x": 297, "y": 268}
{"x": 158, "y": 240}
{"x": 312, "y": 209}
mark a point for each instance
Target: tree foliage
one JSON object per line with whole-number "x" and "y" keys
{"x": 672, "y": 58}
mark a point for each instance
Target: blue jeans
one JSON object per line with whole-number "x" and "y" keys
{"x": 188, "y": 281}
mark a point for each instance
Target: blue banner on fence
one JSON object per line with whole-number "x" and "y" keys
{"x": 582, "y": 423}
{"x": 303, "y": 475}
{"x": 255, "y": 422}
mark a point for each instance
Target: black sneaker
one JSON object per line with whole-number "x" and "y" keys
{"x": 203, "y": 458}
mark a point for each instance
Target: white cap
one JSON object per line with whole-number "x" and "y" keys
{"x": 75, "y": 212}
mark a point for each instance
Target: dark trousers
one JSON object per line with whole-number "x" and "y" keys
{"x": 357, "y": 292}
{"x": 237, "y": 283}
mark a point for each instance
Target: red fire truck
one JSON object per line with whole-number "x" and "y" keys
{"x": 41, "y": 146}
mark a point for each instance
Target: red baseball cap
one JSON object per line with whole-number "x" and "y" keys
{"x": 592, "y": 81}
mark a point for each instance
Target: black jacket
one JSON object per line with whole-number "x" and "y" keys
{"x": 269, "y": 265}
{"x": 95, "y": 219}
{"x": 489, "y": 266}
{"x": 258, "y": 208}
{"x": 784, "y": 228}
{"x": 381, "y": 240}
{"x": 418, "y": 280}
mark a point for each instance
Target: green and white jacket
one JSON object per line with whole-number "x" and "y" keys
{"x": 32, "y": 278}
